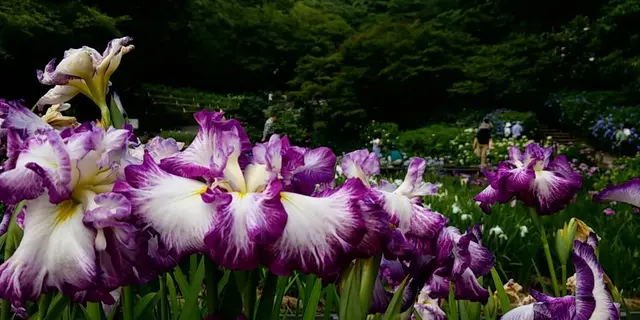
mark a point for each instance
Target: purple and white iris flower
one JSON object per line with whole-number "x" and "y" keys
{"x": 414, "y": 227}
{"x": 77, "y": 235}
{"x": 534, "y": 177}
{"x": 427, "y": 307}
{"x": 84, "y": 71}
{"x": 592, "y": 299}
{"x": 460, "y": 259}
{"x": 233, "y": 201}
{"x": 628, "y": 192}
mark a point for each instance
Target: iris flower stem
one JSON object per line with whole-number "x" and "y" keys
{"x": 370, "y": 268}
{"x": 43, "y": 305}
{"x": 564, "y": 279}
{"x": 6, "y": 310}
{"x": 211, "y": 282}
{"x": 127, "y": 303}
{"x": 106, "y": 116}
{"x": 547, "y": 251}
{"x": 163, "y": 297}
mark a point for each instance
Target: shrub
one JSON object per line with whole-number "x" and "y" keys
{"x": 385, "y": 131}
{"x": 180, "y": 136}
{"x": 433, "y": 140}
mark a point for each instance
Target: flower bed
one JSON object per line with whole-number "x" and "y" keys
{"x": 598, "y": 115}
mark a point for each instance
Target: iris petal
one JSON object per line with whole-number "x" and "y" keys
{"x": 360, "y": 164}
{"x": 41, "y": 162}
{"x": 320, "y": 233}
{"x": 171, "y": 205}
{"x": 245, "y": 222}
{"x": 593, "y": 301}
{"x": 628, "y": 192}
{"x": 413, "y": 184}
{"x": 55, "y": 252}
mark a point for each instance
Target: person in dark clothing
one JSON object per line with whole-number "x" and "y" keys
{"x": 482, "y": 143}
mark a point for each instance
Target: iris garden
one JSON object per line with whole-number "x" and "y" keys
{"x": 100, "y": 225}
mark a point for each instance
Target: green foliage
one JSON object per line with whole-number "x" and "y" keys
{"x": 385, "y": 131}
{"x": 180, "y": 136}
{"x": 433, "y": 140}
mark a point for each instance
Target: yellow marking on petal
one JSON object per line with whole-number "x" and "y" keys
{"x": 202, "y": 190}
{"x": 65, "y": 211}
{"x": 283, "y": 197}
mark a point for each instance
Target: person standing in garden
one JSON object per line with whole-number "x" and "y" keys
{"x": 507, "y": 130}
{"x": 375, "y": 147}
{"x": 269, "y": 127}
{"x": 482, "y": 142}
{"x": 516, "y": 130}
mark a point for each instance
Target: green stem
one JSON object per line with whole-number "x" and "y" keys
{"x": 94, "y": 310}
{"x": 249, "y": 293}
{"x": 6, "y": 310}
{"x": 127, "y": 303}
{"x": 211, "y": 282}
{"x": 370, "y": 268}
{"x": 564, "y": 279}
{"x": 547, "y": 251}
{"x": 43, "y": 305}
{"x": 163, "y": 298}
{"x": 106, "y": 116}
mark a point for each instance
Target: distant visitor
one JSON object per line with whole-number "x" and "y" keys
{"x": 268, "y": 127}
{"x": 516, "y": 130}
{"x": 482, "y": 142}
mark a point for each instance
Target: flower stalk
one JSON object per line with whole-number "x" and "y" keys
{"x": 105, "y": 121}
{"x": 370, "y": 267}
{"x": 43, "y": 305}
{"x": 127, "y": 303}
{"x": 211, "y": 283}
{"x": 547, "y": 251}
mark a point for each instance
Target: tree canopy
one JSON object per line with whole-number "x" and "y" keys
{"x": 405, "y": 61}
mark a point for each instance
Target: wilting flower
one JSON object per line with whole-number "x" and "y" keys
{"x": 56, "y": 119}
{"x": 628, "y": 192}
{"x": 83, "y": 71}
{"x": 77, "y": 235}
{"x": 534, "y": 178}
{"x": 213, "y": 198}
{"x": 571, "y": 283}
{"x": 592, "y": 299}
{"x": 609, "y": 212}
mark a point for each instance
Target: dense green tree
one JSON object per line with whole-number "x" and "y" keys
{"x": 343, "y": 62}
